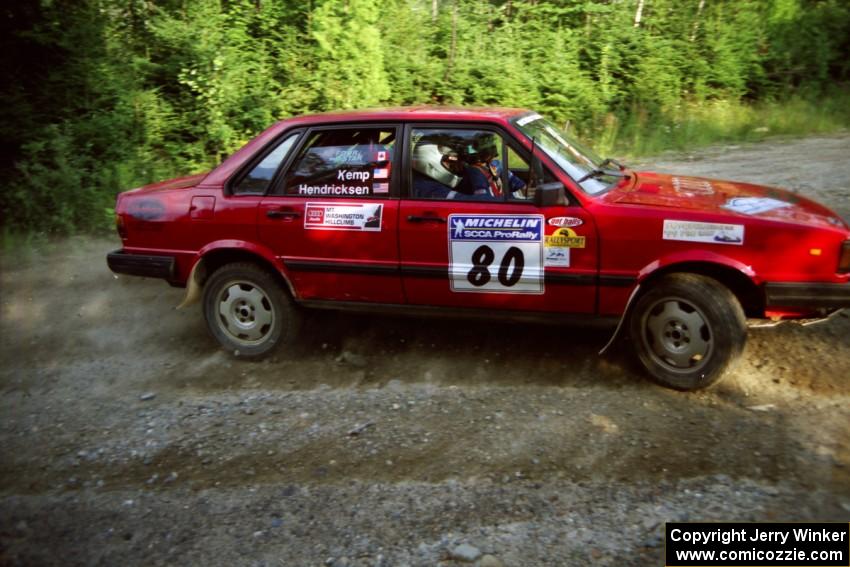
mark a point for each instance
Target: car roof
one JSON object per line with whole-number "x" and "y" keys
{"x": 421, "y": 112}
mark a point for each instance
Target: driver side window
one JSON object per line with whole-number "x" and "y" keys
{"x": 456, "y": 164}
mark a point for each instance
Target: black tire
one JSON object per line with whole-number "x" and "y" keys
{"x": 687, "y": 330}
{"x": 247, "y": 311}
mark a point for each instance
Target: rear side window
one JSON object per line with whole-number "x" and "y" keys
{"x": 256, "y": 181}
{"x": 347, "y": 162}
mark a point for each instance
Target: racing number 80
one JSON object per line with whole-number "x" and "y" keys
{"x": 483, "y": 257}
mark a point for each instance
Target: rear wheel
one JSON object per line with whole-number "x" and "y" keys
{"x": 247, "y": 311}
{"x": 687, "y": 331}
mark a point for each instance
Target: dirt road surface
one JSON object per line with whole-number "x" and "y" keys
{"x": 127, "y": 437}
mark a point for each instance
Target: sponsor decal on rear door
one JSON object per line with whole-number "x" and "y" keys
{"x": 327, "y": 216}
{"x": 496, "y": 253}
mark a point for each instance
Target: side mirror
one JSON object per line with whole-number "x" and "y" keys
{"x": 550, "y": 194}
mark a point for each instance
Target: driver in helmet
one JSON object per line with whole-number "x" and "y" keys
{"x": 483, "y": 174}
{"x": 437, "y": 172}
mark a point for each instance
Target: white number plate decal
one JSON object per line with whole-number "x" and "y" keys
{"x": 496, "y": 253}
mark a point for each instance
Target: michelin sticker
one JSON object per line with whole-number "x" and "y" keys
{"x": 326, "y": 216}
{"x": 708, "y": 232}
{"x": 754, "y": 205}
{"x": 496, "y": 253}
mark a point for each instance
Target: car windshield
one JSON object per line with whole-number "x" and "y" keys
{"x": 574, "y": 158}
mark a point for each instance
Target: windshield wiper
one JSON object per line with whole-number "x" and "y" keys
{"x": 611, "y": 161}
{"x": 599, "y": 172}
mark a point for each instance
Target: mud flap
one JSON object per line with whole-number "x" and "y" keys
{"x": 622, "y": 320}
{"x": 193, "y": 286}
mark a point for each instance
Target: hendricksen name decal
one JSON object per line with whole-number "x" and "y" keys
{"x": 342, "y": 189}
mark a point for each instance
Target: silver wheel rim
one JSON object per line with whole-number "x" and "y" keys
{"x": 245, "y": 313}
{"x": 677, "y": 335}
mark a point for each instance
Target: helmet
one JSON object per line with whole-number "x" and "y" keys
{"x": 482, "y": 148}
{"x": 434, "y": 161}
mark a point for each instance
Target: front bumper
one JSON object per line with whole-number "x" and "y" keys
{"x": 807, "y": 295}
{"x": 143, "y": 265}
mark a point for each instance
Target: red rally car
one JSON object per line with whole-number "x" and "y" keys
{"x": 487, "y": 212}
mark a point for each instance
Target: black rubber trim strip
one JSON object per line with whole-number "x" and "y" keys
{"x": 143, "y": 265}
{"x": 341, "y": 267}
{"x": 550, "y": 277}
{"x": 557, "y": 278}
{"x": 425, "y": 272}
{"x": 617, "y": 281}
{"x": 584, "y": 320}
{"x": 569, "y": 279}
{"x": 807, "y": 295}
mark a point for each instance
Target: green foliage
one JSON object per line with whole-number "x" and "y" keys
{"x": 104, "y": 95}
{"x": 700, "y": 124}
{"x": 350, "y": 65}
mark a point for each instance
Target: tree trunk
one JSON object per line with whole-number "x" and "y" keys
{"x": 453, "y": 44}
{"x": 638, "y": 13}
{"x": 434, "y": 9}
{"x": 696, "y": 20}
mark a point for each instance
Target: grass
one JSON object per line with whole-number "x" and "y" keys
{"x": 696, "y": 125}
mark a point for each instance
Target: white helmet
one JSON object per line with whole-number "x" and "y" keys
{"x": 428, "y": 160}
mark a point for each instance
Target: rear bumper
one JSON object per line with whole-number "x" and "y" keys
{"x": 141, "y": 265}
{"x": 807, "y": 295}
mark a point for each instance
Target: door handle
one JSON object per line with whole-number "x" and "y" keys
{"x": 283, "y": 214}
{"x": 429, "y": 218}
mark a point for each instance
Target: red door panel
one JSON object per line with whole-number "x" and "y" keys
{"x": 343, "y": 250}
{"x": 556, "y": 273}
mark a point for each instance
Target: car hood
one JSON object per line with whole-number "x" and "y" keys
{"x": 177, "y": 183}
{"x": 724, "y": 197}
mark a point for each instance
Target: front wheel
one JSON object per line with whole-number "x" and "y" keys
{"x": 247, "y": 311}
{"x": 687, "y": 331}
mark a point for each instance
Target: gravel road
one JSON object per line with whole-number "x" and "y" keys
{"x": 127, "y": 437}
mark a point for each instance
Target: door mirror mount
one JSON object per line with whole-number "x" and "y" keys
{"x": 536, "y": 173}
{"x": 550, "y": 194}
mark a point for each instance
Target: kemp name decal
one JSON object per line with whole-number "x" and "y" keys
{"x": 342, "y": 188}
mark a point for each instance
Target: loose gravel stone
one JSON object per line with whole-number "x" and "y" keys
{"x": 465, "y": 552}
